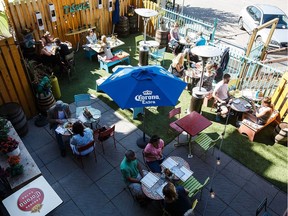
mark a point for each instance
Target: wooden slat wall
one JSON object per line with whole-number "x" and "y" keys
{"x": 14, "y": 84}
{"x": 22, "y": 15}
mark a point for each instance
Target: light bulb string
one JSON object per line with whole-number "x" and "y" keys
{"x": 218, "y": 156}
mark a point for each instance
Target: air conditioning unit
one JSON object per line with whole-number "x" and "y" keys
{"x": 39, "y": 20}
{"x": 52, "y": 13}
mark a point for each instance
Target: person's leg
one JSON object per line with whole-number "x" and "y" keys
{"x": 154, "y": 166}
{"x": 60, "y": 142}
{"x": 249, "y": 116}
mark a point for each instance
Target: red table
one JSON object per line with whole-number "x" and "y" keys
{"x": 193, "y": 124}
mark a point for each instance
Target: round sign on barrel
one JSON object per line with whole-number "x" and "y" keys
{"x": 15, "y": 114}
{"x": 280, "y": 133}
{"x": 162, "y": 37}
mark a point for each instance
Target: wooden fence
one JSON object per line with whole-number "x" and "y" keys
{"x": 14, "y": 84}
{"x": 70, "y": 16}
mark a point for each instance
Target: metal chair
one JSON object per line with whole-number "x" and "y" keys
{"x": 205, "y": 142}
{"x": 81, "y": 149}
{"x": 194, "y": 186}
{"x": 263, "y": 205}
{"x": 104, "y": 135}
{"x": 174, "y": 112}
{"x": 158, "y": 56}
{"x": 81, "y": 101}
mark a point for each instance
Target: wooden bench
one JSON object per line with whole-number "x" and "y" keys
{"x": 119, "y": 56}
{"x": 250, "y": 128}
{"x": 280, "y": 101}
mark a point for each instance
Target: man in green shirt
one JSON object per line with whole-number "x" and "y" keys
{"x": 132, "y": 173}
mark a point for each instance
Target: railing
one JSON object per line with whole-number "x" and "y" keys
{"x": 188, "y": 23}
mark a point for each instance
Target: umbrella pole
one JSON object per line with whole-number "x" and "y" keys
{"x": 142, "y": 142}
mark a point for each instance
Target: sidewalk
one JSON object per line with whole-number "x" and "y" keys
{"x": 99, "y": 190}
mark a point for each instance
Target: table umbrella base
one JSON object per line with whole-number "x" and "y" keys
{"x": 142, "y": 142}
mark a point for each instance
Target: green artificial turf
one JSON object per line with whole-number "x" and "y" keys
{"x": 261, "y": 156}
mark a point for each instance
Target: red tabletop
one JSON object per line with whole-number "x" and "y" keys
{"x": 193, "y": 123}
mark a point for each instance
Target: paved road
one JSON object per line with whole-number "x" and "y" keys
{"x": 227, "y": 13}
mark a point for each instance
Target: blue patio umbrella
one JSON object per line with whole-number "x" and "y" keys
{"x": 143, "y": 87}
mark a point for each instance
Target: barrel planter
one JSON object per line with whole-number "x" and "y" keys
{"x": 280, "y": 133}
{"x": 15, "y": 114}
{"x": 122, "y": 28}
{"x": 133, "y": 23}
{"x": 44, "y": 102}
{"x": 162, "y": 37}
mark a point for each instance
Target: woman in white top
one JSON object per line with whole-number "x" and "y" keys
{"x": 106, "y": 48}
{"x": 91, "y": 37}
{"x": 82, "y": 137}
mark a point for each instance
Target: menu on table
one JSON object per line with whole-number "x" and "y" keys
{"x": 160, "y": 190}
{"x": 187, "y": 173}
{"x": 169, "y": 163}
{"x": 149, "y": 180}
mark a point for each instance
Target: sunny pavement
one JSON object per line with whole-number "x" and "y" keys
{"x": 98, "y": 189}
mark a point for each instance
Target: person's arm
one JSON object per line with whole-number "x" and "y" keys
{"x": 172, "y": 35}
{"x": 69, "y": 44}
{"x": 89, "y": 40}
{"x": 140, "y": 169}
{"x": 129, "y": 178}
{"x": 67, "y": 111}
{"x": 53, "y": 120}
{"x": 44, "y": 51}
{"x": 262, "y": 113}
{"x": 148, "y": 153}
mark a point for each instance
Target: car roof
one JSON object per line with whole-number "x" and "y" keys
{"x": 269, "y": 9}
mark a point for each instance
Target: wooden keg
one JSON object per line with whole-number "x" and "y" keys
{"x": 162, "y": 37}
{"x": 15, "y": 114}
{"x": 133, "y": 23}
{"x": 122, "y": 28}
{"x": 280, "y": 133}
{"x": 45, "y": 102}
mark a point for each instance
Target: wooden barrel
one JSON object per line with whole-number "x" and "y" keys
{"x": 45, "y": 102}
{"x": 122, "y": 28}
{"x": 280, "y": 133}
{"x": 162, "y": 37}
{"x": 15, "y": 114}
{"x": 133, "y": 23}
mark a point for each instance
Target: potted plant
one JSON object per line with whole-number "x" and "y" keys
{"x": 15, "y": 168}
{"x": 4, "y": 129}
{"x": 10, "y": 146}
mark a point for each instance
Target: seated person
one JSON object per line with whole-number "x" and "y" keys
{"x": 174, "y": 39}
{"x": 208, "y": 77}
{"x": 62, "y": 48}
{"x": 153, "y": 153}
{"x": 192, "y": 58}
{"x": 132, "y": 174}
{"x": 58, "y": 114}
{"x": 177, "y": 66}
{"x": 200, "y": 41}
{"x": 221, "y": 95}
{"x": 49, "y": 38}
{"x": 262, "y": 114}
{"x": 106, "y": 49}
{"x": 91, "y": 37}
{"x": 81, "y": 137}
{"x": 176, "y": 200}
{"x": 219, "y": 73}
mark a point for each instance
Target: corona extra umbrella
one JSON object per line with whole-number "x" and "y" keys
{"x": 143, "y": 87}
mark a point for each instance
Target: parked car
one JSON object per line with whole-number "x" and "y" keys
{"x": 254, "y": 15}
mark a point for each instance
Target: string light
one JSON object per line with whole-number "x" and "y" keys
{"x": 130, "y": 49}
{"x": 212, "y": 193}
{"x": 66, "y": 21}
{"x": 218, "y": 161}
{"x": 55, "y": 27}
{"x": 73, "y": 15}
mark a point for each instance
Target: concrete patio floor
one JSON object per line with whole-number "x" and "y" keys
{"x": 98, "y": 189}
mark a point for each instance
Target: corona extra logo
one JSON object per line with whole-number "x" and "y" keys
{"x": 147, "y": 97}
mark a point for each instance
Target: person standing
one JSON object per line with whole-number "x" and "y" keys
{"x": 222, "y": 97}
{"x": 132, "y": 173}
{"x": 153, "y": 153}
{"x": 58, "y": 114}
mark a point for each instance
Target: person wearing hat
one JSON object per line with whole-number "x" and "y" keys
{"x": 153, "y": 153}
{"x": 58, "y": 114}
